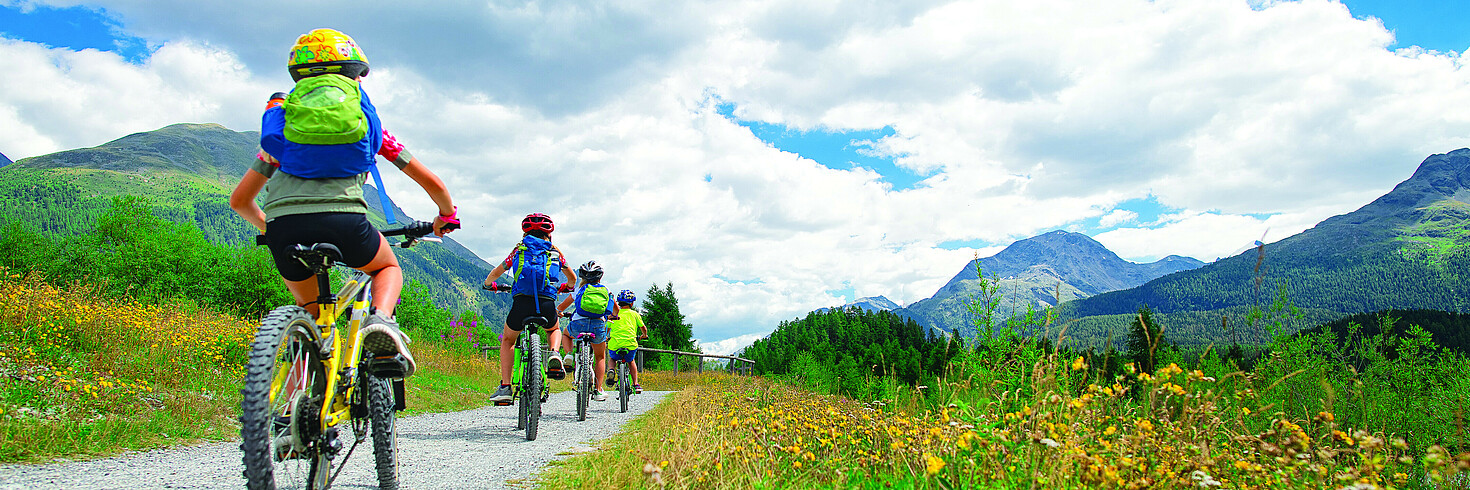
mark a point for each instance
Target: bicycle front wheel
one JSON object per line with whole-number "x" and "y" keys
{"x": 531, "y": 383}
{"x": 385, "y": 439}
{"x": 625, "y": 388}
{"x": 281, "y": 404}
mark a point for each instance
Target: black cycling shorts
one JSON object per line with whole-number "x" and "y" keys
{"x": 523, "y": 306}
{"x": 350, "y": 232}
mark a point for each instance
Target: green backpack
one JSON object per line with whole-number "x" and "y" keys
{"x": 325, "y": 110}
{"x": 592, "y": 301}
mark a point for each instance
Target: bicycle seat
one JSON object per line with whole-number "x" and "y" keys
{"x": 318, "y": 257}
{"x": 535, "y": 321}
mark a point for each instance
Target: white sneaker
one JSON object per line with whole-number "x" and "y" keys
{"x": 599, "y": 396}
{"x": 382, "y": 337}
{"x": 569, "y": 363}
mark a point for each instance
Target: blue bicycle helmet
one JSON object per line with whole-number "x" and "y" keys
{"x": 626, "y": 296}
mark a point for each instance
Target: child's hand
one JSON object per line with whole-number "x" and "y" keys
{"x": 445, "y": 224}
{"x": 564, "y": 288}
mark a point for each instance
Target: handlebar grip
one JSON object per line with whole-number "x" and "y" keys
{"x": 261, "y": 241}
{"x": 451, "y": 226}
{"x": 415, "y": 230}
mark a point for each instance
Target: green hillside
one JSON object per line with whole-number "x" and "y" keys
{"x": 186, "y": 172}
{"x": 1405, "y": 250}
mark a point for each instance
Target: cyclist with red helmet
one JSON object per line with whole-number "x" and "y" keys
{"x": 538, "y": 269}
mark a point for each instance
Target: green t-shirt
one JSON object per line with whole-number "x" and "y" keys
{"x": 287, "y": 194}
{"x": 623, "y": 332}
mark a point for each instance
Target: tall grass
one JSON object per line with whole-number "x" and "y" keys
{"x": 1018, "y": 414}
{"x": 83, "y": 374}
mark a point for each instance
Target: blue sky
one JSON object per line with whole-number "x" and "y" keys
{"x": 769, "y": 158}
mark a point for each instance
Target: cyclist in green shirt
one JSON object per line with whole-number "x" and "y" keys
{"x": 623, "y": 335}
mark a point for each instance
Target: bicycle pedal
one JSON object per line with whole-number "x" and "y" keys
{"x": 388, "y": 366}
{"x": 502, "y": 404}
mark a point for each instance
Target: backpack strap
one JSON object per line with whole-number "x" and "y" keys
{"x": 383, "y": 200}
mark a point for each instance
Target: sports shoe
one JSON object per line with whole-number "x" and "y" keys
{"x": 569, "y": 363}
{"x": 597, "y": 395}
{"x": 637, "y": 389}
{"x": 554, "y": 368}
{"x": 382, "y": 338}
{"x": 502, "y": 395}
{"x": 611, "y": 379}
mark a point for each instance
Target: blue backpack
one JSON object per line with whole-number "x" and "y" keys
{"x": 326, "y": 128}
{"x": 592, "y": 300}
{"x": 537, "y": 270}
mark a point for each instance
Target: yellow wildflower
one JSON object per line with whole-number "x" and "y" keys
{"x": 933, "y": 464}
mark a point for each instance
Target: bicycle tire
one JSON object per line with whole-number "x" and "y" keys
{"x": 287, "y": 337}
{"x": 385, "y": 438}
{"x": 533, "y": 379}
{"x": 518, "y": 390}
{"x": 624, "y": 387}
{"x": 584, "y": 378}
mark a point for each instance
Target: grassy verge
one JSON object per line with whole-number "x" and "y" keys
{"x": 1153, "y": 431}
{"x": 85, "y": 376}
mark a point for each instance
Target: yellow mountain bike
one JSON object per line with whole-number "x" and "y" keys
{"x": 306, "y": 377}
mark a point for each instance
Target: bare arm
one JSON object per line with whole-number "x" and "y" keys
{"x": 495, "y": 273}
{"x": 242, "y": 199}
{"x": 421, "y": 174}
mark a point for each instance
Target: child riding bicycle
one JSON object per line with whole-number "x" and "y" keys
{"x": 313, "y": 175}
{"x": 623, "y": 335}
{"x": 538, "y": 266}
{"x": 587, "y": 317}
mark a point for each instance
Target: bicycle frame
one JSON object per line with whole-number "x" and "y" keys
{"x": 341, "y": 369}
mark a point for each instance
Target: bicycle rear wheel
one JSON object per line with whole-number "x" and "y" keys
{"x": 625, "y": 388}
{"x": 531, "y": 383}
{"x": 584, "y": 378}
{"x": 281, "y": 403}
{"x": 385, "y": 439}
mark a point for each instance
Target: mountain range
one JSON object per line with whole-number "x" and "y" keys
{"x": 870, "y": 303}
{"x": 1405, "y": 250}
{"x": 187, "y": 171}
{"x": 1038, "y": 272}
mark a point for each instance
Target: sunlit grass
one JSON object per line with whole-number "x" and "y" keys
{"x": 85, "y": 375}
{"x": 1165, "y": 430}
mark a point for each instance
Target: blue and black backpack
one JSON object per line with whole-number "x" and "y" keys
{"x": 537, "y": 270}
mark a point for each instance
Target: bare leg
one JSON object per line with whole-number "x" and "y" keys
{"x": 305, "y": 292}
{"x": 387, "y": 278}
{"x": 633, "y": 369}
{"x": 599, "y": 352}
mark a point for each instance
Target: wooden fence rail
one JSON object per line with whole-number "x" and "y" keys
{"x": 744, "y": 367}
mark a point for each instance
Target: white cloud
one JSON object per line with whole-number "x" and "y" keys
{"x": 1117, "y": 217}
{"x": 731, "y": 345}
{"x": 1031, "y": 116}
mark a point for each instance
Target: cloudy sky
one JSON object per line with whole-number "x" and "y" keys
{"x": 770, "y": 157}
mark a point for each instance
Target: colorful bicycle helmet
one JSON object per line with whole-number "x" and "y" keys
{"x": 324, "y": 51}
{"x": 590, "y": 271}
{"x": 537, "y": 222}
{"x": 627, "y": 296}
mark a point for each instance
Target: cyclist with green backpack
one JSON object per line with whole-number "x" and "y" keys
{"x": 593, "y": 308}
{"x": 318, "y": 144}
{"x": 537, "y": 267}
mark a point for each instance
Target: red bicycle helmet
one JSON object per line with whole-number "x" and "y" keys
{"x": 537, "y": 222}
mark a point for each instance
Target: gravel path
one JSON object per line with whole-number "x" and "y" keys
{"x": 471, "y": 449}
